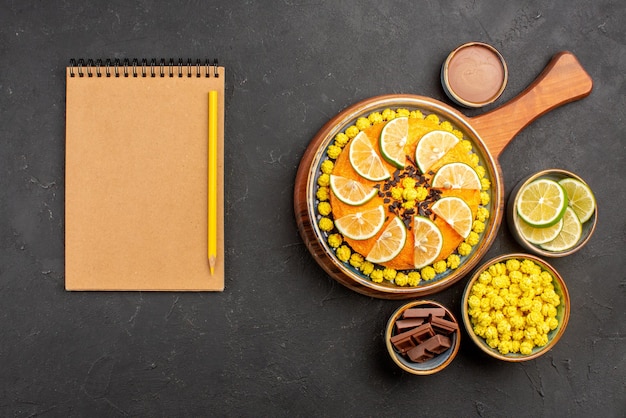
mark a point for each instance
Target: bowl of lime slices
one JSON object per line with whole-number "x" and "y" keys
{"x": 552, "y": 213}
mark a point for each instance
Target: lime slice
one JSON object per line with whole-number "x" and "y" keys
{"x": 570, "y": 234}
{"x": 432, "y": 147}
{"x": 538, "y": 235}
{"x": 361, "y": 225}
{"x": 428, "y": 241}
{"x": 393, "y": 138}
{"x": 365, "y": 160}
{"x": 456, "y": 176}
{"x": 580, "y": 198}
{"x": 456, "y": 213}
{"x": 542, "y": 203}
{"x": 390, "y": 242}
{"x": 351, "y": 192}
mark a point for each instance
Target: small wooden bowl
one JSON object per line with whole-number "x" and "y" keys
{"x": 427, "y": 367}
{"x": 563, "y": 309}
{"x": 513, "y": 221}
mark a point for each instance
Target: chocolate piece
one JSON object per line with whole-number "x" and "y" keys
{"x": 407, "y": 324}
{"x": 423, "y": 312}
{"x": 442, "y": 326}
{"x": 409, "y": 339}
{"x": 403, "y": 342}
{"x": 422, "y": 333}
{"x": 437, "y": 344}
{"x": 419, "y": 354}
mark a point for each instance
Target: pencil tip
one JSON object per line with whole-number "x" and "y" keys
{"x": 212, "y": 264}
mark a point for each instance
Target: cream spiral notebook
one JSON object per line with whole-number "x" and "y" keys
{"x": 136, "y": 175}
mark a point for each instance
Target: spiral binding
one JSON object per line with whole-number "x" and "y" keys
{"x": 135, "y": 68}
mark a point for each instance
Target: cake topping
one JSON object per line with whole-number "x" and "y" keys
{"x": 379, "y": 174}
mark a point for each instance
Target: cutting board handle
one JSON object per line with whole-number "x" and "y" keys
{"x": 563, "y": 80}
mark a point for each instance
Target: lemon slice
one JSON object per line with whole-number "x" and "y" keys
{"x": 393, "y": 138}
{"x": 456, "y": 176}
{"x": 361, "y": 225}
{"x": 428, "y": 241}
{"x": 351, "y": 192}
{"x": 580, "y": 198}
{"x": 542, "y": 203}
{"x": 570, "y": 234}
{"x": 538, "y": 235}
{"x": 432, "y": 147}
{"x": 456, "y": 213}
{"x": 365, "y": 160}
{"x": 390, "y": 242}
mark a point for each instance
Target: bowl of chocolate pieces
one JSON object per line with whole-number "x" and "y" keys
{"x": 422, "y": 337}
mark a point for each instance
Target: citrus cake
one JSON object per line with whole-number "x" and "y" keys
{"x": 402, "y": 197}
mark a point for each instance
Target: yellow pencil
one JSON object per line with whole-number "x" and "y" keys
{"x": 212, "y": 179}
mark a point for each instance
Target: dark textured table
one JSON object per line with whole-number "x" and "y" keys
{"x": 284, "y": 339}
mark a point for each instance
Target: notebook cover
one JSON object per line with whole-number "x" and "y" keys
{"x": 136, "y": 183}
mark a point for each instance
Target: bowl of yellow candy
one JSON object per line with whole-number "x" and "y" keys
{"x": 515, "y": 307}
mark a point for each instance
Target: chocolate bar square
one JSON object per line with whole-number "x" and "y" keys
{"x": 423, "y": 312}
{"x": 442, "y": 326}
{"x": 407, "y": 324}
{"x": 403, "y": 342}
{"x": 422, "y": 333}
{"x": 437, "y": 344}
{"x": 419, "y": 354}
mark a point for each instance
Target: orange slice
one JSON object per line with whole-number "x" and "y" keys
{"x": 365, "y": 160}
{"x": 350, "y": 191}
{"x": 471, "y": 197}
{"x": 456, "y": 213}
{"x": 432, "y": 147}
{"x": 393, "y": 138}
{"x": 361, "y": 225}
{"x": 390, "y": 242}
{"x": 458, "y": 154}
{"x": 428, "y": 241}
{"x": 456, "y": 176}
